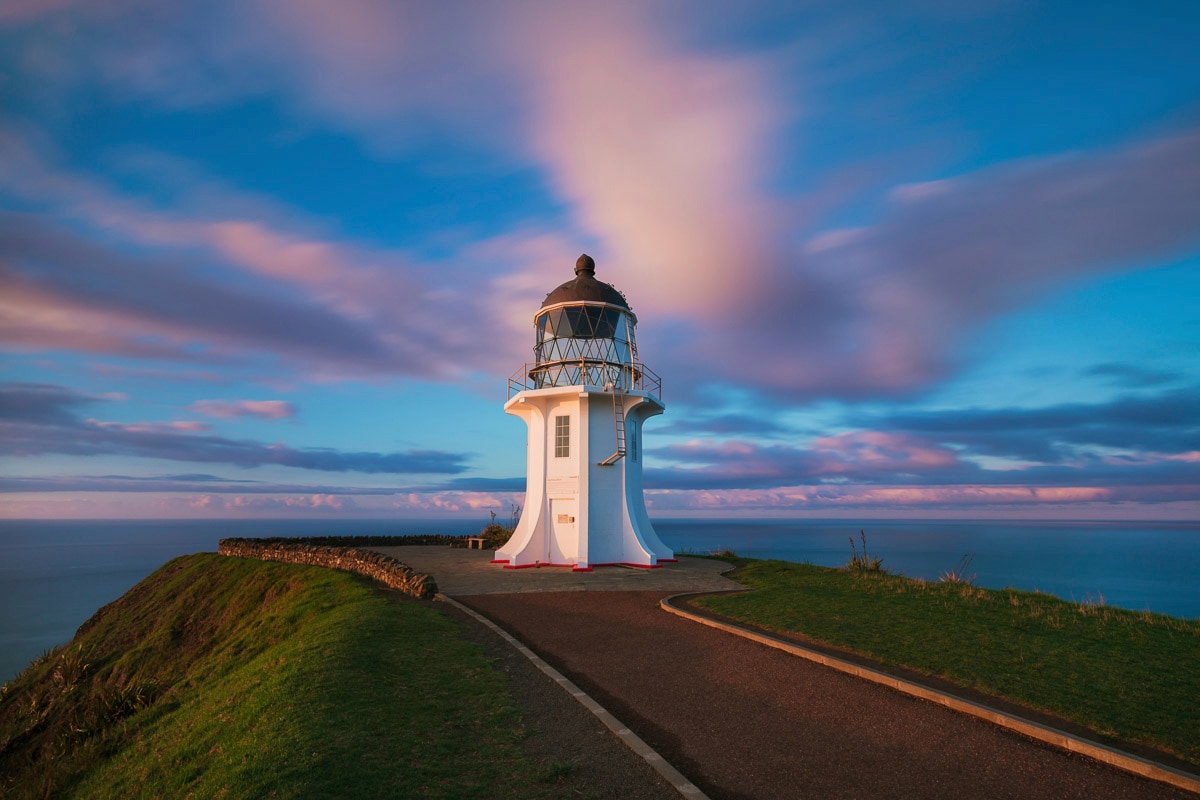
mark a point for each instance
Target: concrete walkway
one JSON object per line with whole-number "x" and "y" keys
{"x": 736, "y": 718}
{"x": 469, "y": 572}
{"x": 742, "y": 720}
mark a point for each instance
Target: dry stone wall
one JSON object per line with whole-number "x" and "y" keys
{"x": 383, "y": 568}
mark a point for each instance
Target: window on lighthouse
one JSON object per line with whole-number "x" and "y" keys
{"x": 562, "y": 437}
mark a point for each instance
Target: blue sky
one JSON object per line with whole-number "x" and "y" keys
{"x": 264, "y": 258}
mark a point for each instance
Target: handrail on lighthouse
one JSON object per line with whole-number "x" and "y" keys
{"x": 644, "y": 379}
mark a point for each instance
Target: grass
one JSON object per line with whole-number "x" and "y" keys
{"x": 1129, "y": 675}
{"x": 223, "y": 677}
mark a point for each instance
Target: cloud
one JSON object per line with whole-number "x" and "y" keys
{"x": 1131, "y": 446}
{"x": 455, "y": 502}
{"x": 160, "y": 374}
{"x": 678, "y": 144}
{"x": 173, "y": 484}
{"x": 1106, "y": 502}
{"x": 880, "y": 313}
{"x": 238, "y": 281}
{"x": 40, "y": 403}
{"x": 66, "y": 292}
{"x": 1131, "y": 376}
{"x": 1165, "y": 423}
{"x": 880, "y": 451}
{"x": 676, "y": 139}
{"x": 662, "y": 151}
{"x": 17, "y": 10}
{"x": 230, "y": 409}
{"x": 99, "y": 273}
{"x": 680, "y": 138}
{"x": 239, "y": 504}
{"x": 178, "y": 426}
{"x": 27, "y": 430}
{"x": 477, "y": 484}
{"x": 857, "y": 457}
{"x": 722, "y": 425}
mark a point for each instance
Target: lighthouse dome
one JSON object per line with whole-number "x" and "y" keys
{"x": 584, "y": 288}
{"x": 585, "y": 335}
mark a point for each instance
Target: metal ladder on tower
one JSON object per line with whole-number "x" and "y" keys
{"x": 633, "y": 361}
{"x": 618, "y": 426}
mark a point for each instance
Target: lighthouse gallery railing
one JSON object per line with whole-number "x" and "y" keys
{"x": 636, "y": 377}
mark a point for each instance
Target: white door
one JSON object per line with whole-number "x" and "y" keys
{"x": 564, "y": 543}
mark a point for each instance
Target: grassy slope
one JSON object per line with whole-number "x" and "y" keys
{"x": 1124, "y": 674}
{"x": 227, "y": 677}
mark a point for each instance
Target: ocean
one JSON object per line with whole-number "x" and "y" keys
{"x": 55, "y": 574}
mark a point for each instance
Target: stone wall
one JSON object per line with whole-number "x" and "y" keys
{"x": 365, "y": 541}
{"x": 383, "y": 568}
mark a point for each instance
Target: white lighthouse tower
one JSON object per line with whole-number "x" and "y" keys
{"x": 584, "y": 400}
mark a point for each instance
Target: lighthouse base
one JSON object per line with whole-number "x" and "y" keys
{"x": 578, "y": 511}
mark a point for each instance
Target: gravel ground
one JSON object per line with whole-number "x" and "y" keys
{"x": 743, "y": 720}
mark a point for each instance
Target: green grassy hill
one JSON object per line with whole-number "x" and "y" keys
{"x": 228, "y": 677}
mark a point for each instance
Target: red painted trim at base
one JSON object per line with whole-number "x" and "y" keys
{"x": 499, "y": 560}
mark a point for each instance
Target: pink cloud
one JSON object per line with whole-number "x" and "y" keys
{"x": 911, "y": 501}
{"x": 380, "y": 309}
{"x": 864, "y": 456}
{"x": 677, "y": 142}
{"x": 269, "y": 252}
{"x": 662, "y": 151}
{"x": 456, "y": 502}
{"x": 880, "y": 311}
{"x": 18, "y": 10}
{"x": 33, "y": 318}
{"x": 182, "y": 426}
{"x": 251, "y": 504}
{"x": 230, "y": 409}
{"x": 880, "y": 450}
{"x": 370, "y": 66}
{"x": 965, "y": 500}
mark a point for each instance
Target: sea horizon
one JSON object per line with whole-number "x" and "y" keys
{"x": 54, "y": 574}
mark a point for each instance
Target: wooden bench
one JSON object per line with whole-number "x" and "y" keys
{"x": 475, "y": 541}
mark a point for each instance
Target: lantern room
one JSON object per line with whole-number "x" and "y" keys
{"x": 585, "y": 334}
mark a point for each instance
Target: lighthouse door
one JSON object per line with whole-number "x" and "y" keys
{"x": 564, "y": 543}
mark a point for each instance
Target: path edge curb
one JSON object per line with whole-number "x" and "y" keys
{"x": 631, "y": 740}
{"x": 1035, "y": 730}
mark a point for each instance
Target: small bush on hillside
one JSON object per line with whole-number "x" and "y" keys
{"x": 864, "y": 562}
{"x": 959, "y": 573}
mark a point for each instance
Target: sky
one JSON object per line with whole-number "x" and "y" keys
{"x": 277, "y": 258}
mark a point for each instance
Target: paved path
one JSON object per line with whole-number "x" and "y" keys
{"x": 745, "y": 721}
{"x": 459, "y": 571}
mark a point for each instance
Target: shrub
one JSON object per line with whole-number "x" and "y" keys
{"x": 959, "y": 573}
{"x": 865, "y": 562}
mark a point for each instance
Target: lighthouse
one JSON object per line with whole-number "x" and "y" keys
{"x": 584, "y": 400}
